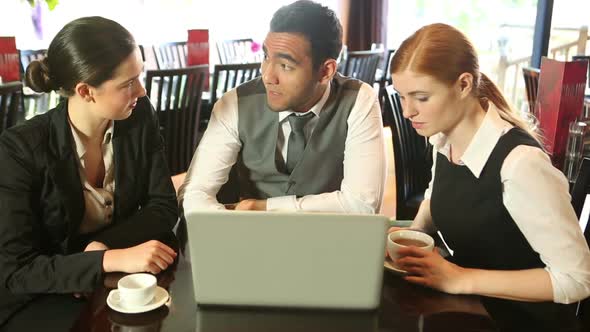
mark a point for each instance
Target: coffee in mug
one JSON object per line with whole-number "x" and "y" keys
{"x": 410, "y": 242}
{"x": 406, "y": 238}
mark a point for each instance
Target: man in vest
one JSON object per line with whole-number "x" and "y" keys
{"x": 301, "y": 137}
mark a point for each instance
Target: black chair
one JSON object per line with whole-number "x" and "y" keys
{"x": 386, "y": 77}
{"x": 531, "y": 83}
{"x": 171, "y": 55}
{"x": 362, "y": 65}
{"x": 226, "y": 77}
{"x": 384, "y": 81}
{"x": 413, "y": 160}
{"x": 235, "y": 51}
{"x": 580, "y": 189}
{"x": 176, "y": 95}
{"x": 10, "y": 99}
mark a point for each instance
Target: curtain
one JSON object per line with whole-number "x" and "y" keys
{"x": 364, "y": 22}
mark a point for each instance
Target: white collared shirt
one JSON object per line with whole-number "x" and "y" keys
{"x": 99, "y": 203}
{"x": 361, "y": 190}
{"x": 536, "y": 195}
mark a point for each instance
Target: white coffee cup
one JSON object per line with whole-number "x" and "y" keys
{"x": 407, "y": 237}
{"x": 137, "y": 289}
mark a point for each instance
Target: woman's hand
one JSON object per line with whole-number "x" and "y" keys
{"x": 152, "y": 256}
{"x": 95, "y": 245}
{"x": 429, "y": 268}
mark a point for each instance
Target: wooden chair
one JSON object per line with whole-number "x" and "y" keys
{"x": 413, "y": 160}
{"x": 227, "y": 77}
{"x": 531, "y": 83}
{"x": 10, "y": 99}
{"x": 176, "y": 95}
{"x": 236, "y": 51}
{"x": 171, "y": 55}
{"x": 362, "y": 65}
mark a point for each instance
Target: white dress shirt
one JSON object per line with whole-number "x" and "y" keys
{"x": 99, "y": 203}
{"x": 362, "y": 187}
{"x": 536, "y": 195}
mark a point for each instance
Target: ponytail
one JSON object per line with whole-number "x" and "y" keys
{"x": 489, "y": 92}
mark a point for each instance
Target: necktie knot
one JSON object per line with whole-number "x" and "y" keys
{"x": 298, "y": 122}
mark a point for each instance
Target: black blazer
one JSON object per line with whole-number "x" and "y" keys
{"x": 42, "y": 204}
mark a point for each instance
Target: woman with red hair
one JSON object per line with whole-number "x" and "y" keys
{"x": 503, "y": 210}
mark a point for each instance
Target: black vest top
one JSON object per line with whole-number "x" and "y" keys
{"x": 471, "y": 215}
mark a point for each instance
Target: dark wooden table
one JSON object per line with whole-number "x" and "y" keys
{"x": 404, "y": 307}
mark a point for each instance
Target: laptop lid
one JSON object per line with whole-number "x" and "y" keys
{"x": 313, "y": 260}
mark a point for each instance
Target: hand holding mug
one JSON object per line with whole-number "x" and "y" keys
{"x": 429, "y": 268}
{"x": 404, "y": 237}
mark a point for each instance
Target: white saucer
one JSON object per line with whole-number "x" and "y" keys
{"x": 114, "y": 301}
{"x": 388, "y": 264}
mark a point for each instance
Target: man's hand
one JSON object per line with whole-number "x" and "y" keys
{"x": 252, "y": 205}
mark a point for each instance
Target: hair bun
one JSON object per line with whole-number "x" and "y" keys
{"x": 37, "y": 76}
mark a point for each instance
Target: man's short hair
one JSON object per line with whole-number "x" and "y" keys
{"x": 316, "y": 23}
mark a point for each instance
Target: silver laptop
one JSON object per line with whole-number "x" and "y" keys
{"x": 311, "y": 260}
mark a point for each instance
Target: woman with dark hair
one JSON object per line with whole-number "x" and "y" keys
{"x": 84, "y": 188}
{"x": 501, "y": 207}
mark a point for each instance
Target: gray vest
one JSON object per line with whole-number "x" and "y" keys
{"x": 261, "y": 168}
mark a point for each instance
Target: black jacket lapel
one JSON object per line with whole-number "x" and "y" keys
{"x": 63, "y": 167}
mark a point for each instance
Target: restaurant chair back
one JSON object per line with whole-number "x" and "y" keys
{"x": 171, "y": 55}
{"x": 176, "y": 96}
{"x": 386, "y": 77}
{"x": 235, "y": 51}
{"x": 384, "y": 81}
{"x": 362, "y": 65}
{"x": 9, "y": 60}
{"x": 413, "y": 160}
{"x": 10, "y": 99}
{"x": 531, "y": 83}
{"x": 229, "y": 76}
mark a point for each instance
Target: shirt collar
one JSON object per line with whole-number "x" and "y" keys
{"x": 482, "y": 144}
{"x": 316, "y": 109}
{"x": 80, "y": 148}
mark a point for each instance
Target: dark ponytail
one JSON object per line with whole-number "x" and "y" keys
{"x": 37, "y": 77}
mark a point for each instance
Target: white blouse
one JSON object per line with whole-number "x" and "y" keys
{"x": 98, "y": 202}
{"x": 536, "y": 195}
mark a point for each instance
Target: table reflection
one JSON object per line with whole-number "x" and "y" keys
{"x": 212, "y": 319}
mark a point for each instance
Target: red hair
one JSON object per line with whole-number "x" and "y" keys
{"x": 444, "y": 53}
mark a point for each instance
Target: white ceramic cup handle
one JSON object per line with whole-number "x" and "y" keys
{"x": 114, "y": 295}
